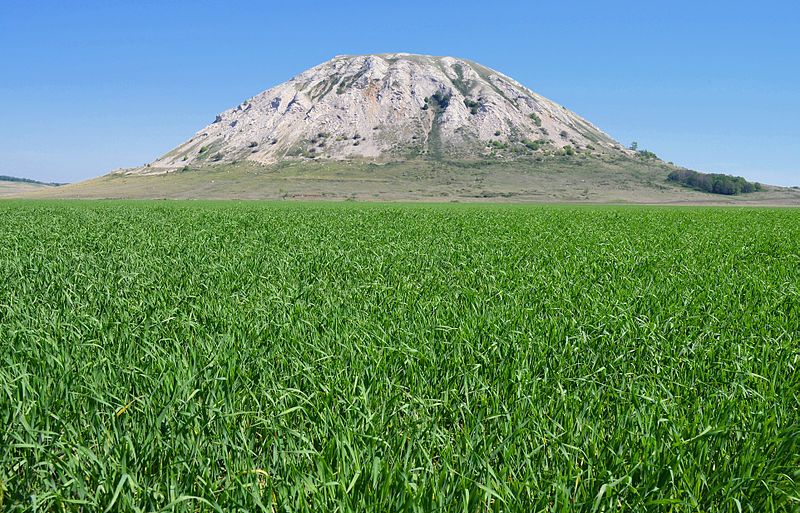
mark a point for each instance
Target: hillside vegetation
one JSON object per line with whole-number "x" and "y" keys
{"x": 565, "y": 178}
{"x": 713, "y": 182}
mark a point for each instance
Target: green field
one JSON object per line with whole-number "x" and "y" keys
{"x": 186, "y": 356}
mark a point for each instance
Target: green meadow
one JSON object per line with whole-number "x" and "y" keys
{"x": 290, "y": 357}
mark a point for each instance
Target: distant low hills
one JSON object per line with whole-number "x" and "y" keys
{"x": 15, "y": 186}
{"x": 5, "y": 178}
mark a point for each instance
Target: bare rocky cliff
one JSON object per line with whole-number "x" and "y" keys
{"x": 386, "y": 108}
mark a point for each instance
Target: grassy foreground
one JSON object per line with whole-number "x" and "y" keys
{"x": 349, "y": 357}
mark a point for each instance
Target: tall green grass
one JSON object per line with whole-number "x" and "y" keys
{"x": 306, "y": 357}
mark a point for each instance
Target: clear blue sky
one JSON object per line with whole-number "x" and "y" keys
{"x": 89, "y": 86}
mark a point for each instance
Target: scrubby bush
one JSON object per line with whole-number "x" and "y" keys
{"x": 713, "y": 183}
{"x": 498, "y": 145}
{"x": 472, "y": 105}
{"x": 441, "y": 99}
{"x": 534, "y": 145}
{"x": 536, "y": 119}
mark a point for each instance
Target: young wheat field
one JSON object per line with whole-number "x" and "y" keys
{"x": 289, "y": 357}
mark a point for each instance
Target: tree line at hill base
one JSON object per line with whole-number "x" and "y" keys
{"x": 714, "y": 183}
{"x": 5, "y": 178}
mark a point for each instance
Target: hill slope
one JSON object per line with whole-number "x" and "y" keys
{"x": 11, "y": 186}
{"x": 554, "y": 179}
{"x": 403, "y": 127}
{"x": 388, "y": 107}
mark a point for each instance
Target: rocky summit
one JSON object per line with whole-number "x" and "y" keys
{"x": 390, "y": 107}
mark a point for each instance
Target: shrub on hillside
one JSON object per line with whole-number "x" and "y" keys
{"x": 713, "y": 183}
{"x": 472, "y": 105}
{"x": 498, "y": 145}
{"x": 534, "y": 145}
{"x": 441, "y": 99}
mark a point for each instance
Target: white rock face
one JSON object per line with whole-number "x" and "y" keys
{"x": 388, "y": 107}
